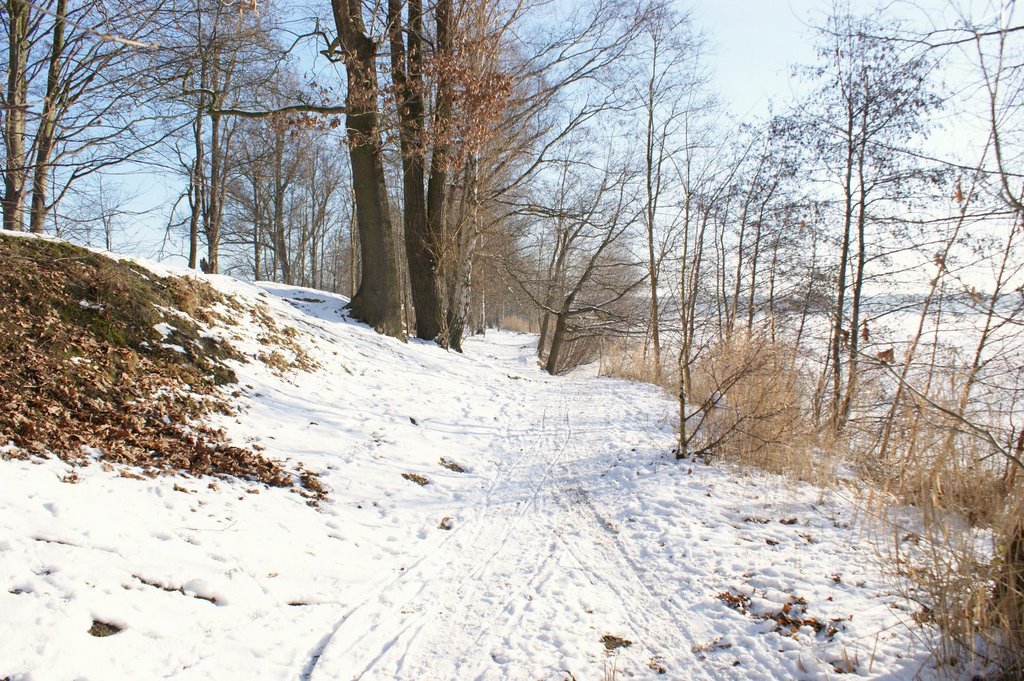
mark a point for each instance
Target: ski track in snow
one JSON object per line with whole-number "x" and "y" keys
{"x": 571, "y": 522}
{"x": 530, "y": 555}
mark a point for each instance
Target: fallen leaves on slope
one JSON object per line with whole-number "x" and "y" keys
{"x": 103, "y": 360}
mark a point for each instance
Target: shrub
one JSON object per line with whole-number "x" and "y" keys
{"x": 748, "y": 403}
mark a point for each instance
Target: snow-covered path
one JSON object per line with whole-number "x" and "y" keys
{"x": 534, "y": 568}
{"x": 554, "y": 525}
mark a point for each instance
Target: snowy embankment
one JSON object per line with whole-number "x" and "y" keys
{"x": 554, "y": 537}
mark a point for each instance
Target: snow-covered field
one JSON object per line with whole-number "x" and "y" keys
{"x": 568, "y": 531}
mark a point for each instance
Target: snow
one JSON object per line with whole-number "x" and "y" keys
{"x": 164, "y": 329}
{"x": 570, "y": 522}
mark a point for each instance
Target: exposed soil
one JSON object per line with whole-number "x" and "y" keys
{"x": 103, "y": 629}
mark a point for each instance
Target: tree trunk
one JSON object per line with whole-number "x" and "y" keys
{"x": 755, "y": 260}
{"x": 852, "y": 373}
{"x": 772, "y": 269}
{"x": 420, "y": 244}
{"x": 378, "y": 302}
{"x": 437, "y": 186}
{"x": 197, "y": 181}
{"x": 459, "y": 274}
{"x": 353, "y": 250}
{"x": 652, "y": 186}
{"x": 557, "y": 342}
{"x": 47, "y": 125}
{"x": 731, "y": 316}
{"x": 215, "y": 199}
{"x": 257, "y": 232}
{"x": 16, "y": 112}
{"x": 838, "y": 419}
{"x": 280, "y": 240}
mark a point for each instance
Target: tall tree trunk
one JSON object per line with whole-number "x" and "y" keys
{"x": 420, "y": 244}
{"x": 460, "y": 297}
{"x": 16, "y": 104}
{"x": 47, "y": 124}
{"x": 731, "y": 316}
{"x": 772, "y": 270}
{"x": 805, "y": 306}
{"x": 353, "y": 251}
{"x": 256, "y": 255}
{"x": 281, "y": 246}
{"x": 197, "y": 181}
{"x": 459, "y": 270}
{"x": 557, "y": 341}
{"x": 755, "y": 260}
{"x": 257, "y": 233}
{"x": 378, "y": 302}
{"x": 690, "y": 325}
{"x": 437, "y": 186}
{"x": 215, "y": 200}
{"x": 852, "y": 373}
{"x": 724, "y": 315}
{"x": 751, "y": 299}
{"x": 652, "y": 185}
{"x": 683, "y": 359}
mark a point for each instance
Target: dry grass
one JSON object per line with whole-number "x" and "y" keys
{"x": 963, "y": 561}
{"x": 961, "y": 558}
{"x": 969, "y": 583}
{"x": 518, "y": 324}
{"x": 620, "y": 359}
{"x": 750, "y": 404}
{"x": 750, "y": 400}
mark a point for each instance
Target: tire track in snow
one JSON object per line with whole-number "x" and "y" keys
{"x": 487, "y": 545}
{"x": 534, "y": 550}
{"x": 652, "y": 611}
{"x": 653, "y": 619}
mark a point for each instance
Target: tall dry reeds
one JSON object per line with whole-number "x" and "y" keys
{"x": 749, "y": 405}
{"x": 962, "y": 556}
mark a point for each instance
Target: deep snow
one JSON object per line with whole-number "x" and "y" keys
{"x": 569, "y": 522}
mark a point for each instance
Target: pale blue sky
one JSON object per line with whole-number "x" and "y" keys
{"x": 752, "y": 44}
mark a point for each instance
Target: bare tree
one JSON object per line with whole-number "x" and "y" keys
{"x": 670, "y": 74}
{"x": 73, "y": 98}
{"x": 593, "y": 272}
{"x": 216, "y": 56}
{"x": 874, "y": 98}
